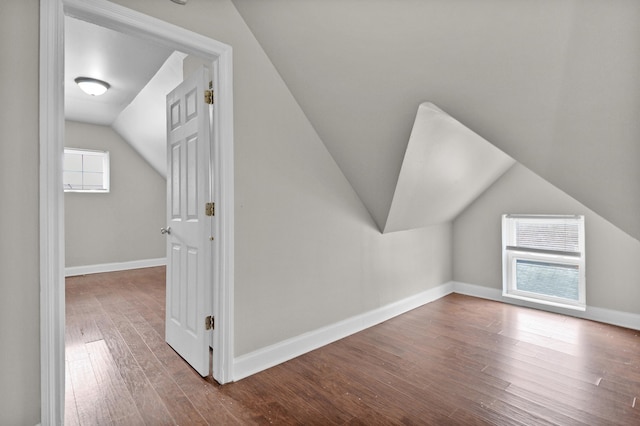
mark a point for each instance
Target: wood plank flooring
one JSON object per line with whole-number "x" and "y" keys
{"x": 459, "y": 360}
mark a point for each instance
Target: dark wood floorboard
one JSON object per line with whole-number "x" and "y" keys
{"x": 456, "y": 361}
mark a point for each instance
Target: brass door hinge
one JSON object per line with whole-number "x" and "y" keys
{"x": 208, "y": 97}
{"x": 209, "y": 323}
{"x": 210, "y": 209}
{"x": 208, "y": 94}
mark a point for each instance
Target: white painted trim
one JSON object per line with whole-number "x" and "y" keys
{"x": 608, "y": 316}
{"x": 224, "y": 196}
{"x": 116, "y": 17}
{"x": 127, "y": 21}
{"x": 51, "y": 213}
{"x": 264, "y": 358}
{"x": 280, "y": 352}
{"x": 479, "y": 291}
{"x": 72, "y": 271}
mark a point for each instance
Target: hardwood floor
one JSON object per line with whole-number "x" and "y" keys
{"x": 458, "y": 360}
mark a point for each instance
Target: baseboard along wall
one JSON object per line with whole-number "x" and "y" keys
{"x": 112, "y": 267}
{"x": 270, "y": 356}
{"x": 267, "y": 357}
{"x": 608, "y": 316}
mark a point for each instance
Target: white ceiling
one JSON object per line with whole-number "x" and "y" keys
{"x": 126, "y": 63}
{"x": 143, "y": 122}
{"x": 554, "y": 84}
{"x": 446, "y": 167}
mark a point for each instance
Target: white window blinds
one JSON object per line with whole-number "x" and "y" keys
{"x": 561, "y": 234}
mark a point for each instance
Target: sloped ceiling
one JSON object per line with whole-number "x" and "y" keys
{"x": 446, "y": 167}
{"x": 141, "y": 74}
{"x": 552, "y": 83}
{"x": 126, "y": 63}
{"x": 143, "y": 122}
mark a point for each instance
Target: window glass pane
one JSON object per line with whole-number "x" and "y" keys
{"x": 551, "y": 279}
{"x": 73, "y": 162}
{"x": 93, "y": 180}
{"x": 92, "y": 163}
{"x": 73, "y": 180}
{"x": 85, "y": 170}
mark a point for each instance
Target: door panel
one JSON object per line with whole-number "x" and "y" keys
{"x": 189, "y": 266}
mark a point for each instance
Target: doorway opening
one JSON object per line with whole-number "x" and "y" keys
{"x": 52, "y": 254}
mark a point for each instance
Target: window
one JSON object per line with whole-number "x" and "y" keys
{"x": 85, "y": 170}
{"x": 543, "y": 259}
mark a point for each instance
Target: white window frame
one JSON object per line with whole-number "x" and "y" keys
{"x": 104, "y": 155}
{"x": 511, "y": 254}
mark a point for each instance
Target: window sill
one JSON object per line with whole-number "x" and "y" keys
{"x": 87, "y": 191}
{"x": 535, "y": 300}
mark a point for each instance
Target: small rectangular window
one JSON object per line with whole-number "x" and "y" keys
{"x": 85, "y": 170}
{"x": 544, "y": 259}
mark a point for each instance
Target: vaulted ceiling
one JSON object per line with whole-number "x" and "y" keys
{"x": 446, "y": 166}
{"x": 127, "y": 63}
{"x": 552, "y": 83}
{"x": 140, "y": 73}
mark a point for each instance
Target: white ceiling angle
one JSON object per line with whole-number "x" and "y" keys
{"x": 446, "y": 167}
{"x": 148, "y": 107}
{"x": 549, "y": 83}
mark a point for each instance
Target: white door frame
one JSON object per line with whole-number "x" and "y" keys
{"x": 51, "y": 122}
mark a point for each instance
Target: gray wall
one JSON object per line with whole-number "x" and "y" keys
{"x": 612, "y": 256}
{"x": 120, "y": 226}
{"x": 307, "y": 252}
{"x": 19, "y": 253}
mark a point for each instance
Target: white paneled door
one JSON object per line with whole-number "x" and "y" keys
{"x": 189, "y": 227}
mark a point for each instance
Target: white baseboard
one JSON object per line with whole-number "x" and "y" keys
{"x": 609, "y": 316}
{"x": 280, "y": 352}
{"x": 111, "y": 267}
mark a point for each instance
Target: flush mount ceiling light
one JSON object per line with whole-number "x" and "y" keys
{"x": 92, "y": 86}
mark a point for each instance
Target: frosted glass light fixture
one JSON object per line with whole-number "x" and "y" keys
{"x": 92, "y": 86}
